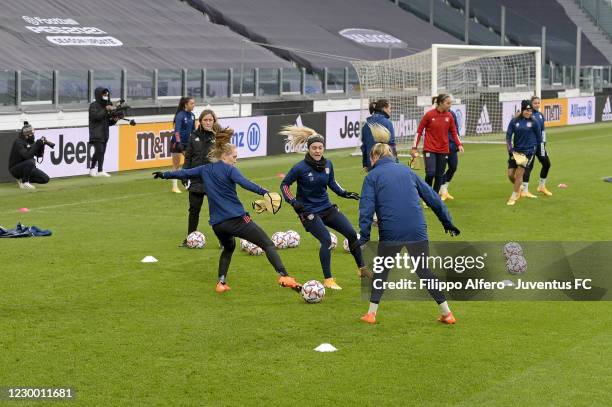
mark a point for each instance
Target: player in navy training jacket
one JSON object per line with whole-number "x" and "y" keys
{"x": 541, "y": 154}
{"x": 227, "y": 215}
{"x": 314, "y": 175}
{"x": 522, "y": 138}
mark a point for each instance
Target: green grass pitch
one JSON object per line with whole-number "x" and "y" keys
{"x": 78, "y": 309}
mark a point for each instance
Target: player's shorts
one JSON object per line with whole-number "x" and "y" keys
{"x": 513, "y": 164}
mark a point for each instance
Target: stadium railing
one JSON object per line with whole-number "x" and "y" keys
{"x": 73, "y": 90}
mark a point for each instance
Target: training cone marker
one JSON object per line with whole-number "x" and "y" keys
{"x": 562, "y": 186}
{"x": 149, "y": 259}
{"x": 280, "y": 175}
{"x": 23, "y": 210}
{"x": 325, "y": 347}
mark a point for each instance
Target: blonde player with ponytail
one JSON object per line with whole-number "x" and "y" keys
{"x": 227, "y": 215}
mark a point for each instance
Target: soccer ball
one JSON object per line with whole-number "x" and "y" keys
{"x": 345, "y": 244}
{"x": 313, "y": 291}
{"x": 196, "y": 240}
{"x": 512, "y": 248}
{"x": 516, "y": 264}
{"x": 255, "y": 250}
{"x": 334, "y": 241}
{"x": 293, "y": 238}
{"x": 279, "y": 240}
{"x": 245, "y": 245}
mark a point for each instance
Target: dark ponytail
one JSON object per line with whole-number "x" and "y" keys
{"x": 378, "y": 105}
{"x": 181, "y": 106}
{"x": 440, "y": 98}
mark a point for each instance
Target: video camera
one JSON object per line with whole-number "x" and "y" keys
{"x": 47, "y": 142}
{"x": 119, "y": 111}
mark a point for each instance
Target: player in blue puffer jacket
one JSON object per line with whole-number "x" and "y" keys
{"x": 314, "y": 175}
{"x": 394, "y": 192}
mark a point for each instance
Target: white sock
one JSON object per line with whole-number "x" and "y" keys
{"x": 514, "y": 195}
{"x": 373, "y": 308}
{"x": 444, "y": 308}
{"x": 444, "y": 188}
{"x": 174, "y": 184}
{"x": 542, "y": 183}
{"x": 525, "y": 186}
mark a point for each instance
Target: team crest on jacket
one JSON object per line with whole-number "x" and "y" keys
{"x": 528, "y": 124}
{"x": 446, "y": 119}
{"x": 327, "y": 170}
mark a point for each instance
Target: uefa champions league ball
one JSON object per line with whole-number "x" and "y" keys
{"x": 345, "y": 244}
{"x": 512, "y": 248}
{"x": 313, "y": 291}
{"x": 255, "y": 250}
{"x": 516, "y": 264}
{"x": 245, "y": 245}
{"x": 280, "y": 241}
{"x": 293, "y": 238}
{"x": 334, "y": 241}
{"x": 196, "y": 240}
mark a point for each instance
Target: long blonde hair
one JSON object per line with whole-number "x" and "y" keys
{"x": 380, "y": 150}
{"x": 300, "y": 135}
{"x": 380, "y": 133}
{"x": 222, "y": 144}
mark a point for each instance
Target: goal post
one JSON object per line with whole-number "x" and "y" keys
{"x": 487, "y": 84}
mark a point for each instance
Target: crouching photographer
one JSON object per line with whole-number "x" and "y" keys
{"x": 22, "y": 163}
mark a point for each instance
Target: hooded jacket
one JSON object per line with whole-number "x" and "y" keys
{"x": 367, "y": 140}
{"x": 99, "y": 120}
{"x": 394, "y": 192}
{"x": 200, "y": 143}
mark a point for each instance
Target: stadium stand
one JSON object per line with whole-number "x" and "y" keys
{"x": 524, "y": 21}
{"x": 452, "y": 21}
{"x": 315, "y": 25}
{"x": 154, "y": 34}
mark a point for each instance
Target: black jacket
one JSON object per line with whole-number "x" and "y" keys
{"x": 196, "y": 154}
{"x": 99, "y": 120}
{"x": 23, "y": 151}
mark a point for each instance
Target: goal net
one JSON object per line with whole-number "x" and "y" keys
{"x": 487, "y": 84}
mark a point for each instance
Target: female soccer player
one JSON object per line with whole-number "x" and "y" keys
{"x": 313, "y": 175}
{"x": 184, "y": 125}
{"x": 393, "y": 191}
{"x": 541, "y": 153}
{"x": 437, "y": 123}
{"x": 527, "y": 136}
{"x": 201, "y": 141}
{"x": 380, "y": 113}
{"x": 452, "y": 162}
{"x": 227, "y": 215}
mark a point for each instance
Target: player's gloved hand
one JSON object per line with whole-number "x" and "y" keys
{"x": 186, "y": 183}
{"x": 158, "y": 174}
{"x": 451, "y": 229}
{"x": 298, "y": 207}
{"x": 351, "y": 195}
